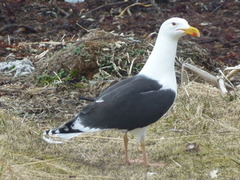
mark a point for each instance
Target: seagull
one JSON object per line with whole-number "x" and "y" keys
{"x": 132, "y": 104}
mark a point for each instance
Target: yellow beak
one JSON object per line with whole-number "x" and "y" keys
{"x": 192, "y": 31}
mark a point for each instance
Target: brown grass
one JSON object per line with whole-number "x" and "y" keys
{"x": 200, "y": 115}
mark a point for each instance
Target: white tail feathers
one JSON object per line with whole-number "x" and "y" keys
{"x": 52, "y": 138}
{"x": 68, "y": 130}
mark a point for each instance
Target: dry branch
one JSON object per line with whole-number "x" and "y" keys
{"x": 105, "y": 6}
{"x": 233, "y": 71}
{"x": 10, "y": 27}
{"x": 135, "y": 4}
{"x": 211, "y": 79}
{"x": 60, "y": 10}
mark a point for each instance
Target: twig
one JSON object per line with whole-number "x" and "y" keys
{"x": 221, "y": 85}
{"x": 105, "y": 6}
{"x": 233, "y": 71}
{"x": 238, "y": 87}
{"x": 176, "y": 162}
{"x": 237, "y": 162}
{"x": 205, "y": 75}
{"x": 232, "y": 68}
{"x": 129, "y": 12}
{"x": 41, "y": 55}
{"x": 36, "y": 162}
{"x": 116, "y": 68}
{"x": 131, "y": 66}
{"x": 62, "y": 39}
{"x": 217, "y": 8}
{"x": 54, "y": 4}
{"x": 9, "y": 40}
{"x": 192, "y": 136}
{"x": 83, "y": 27}
{"x": 62, "y": 11}
{"x": 222, "y": 74}
{"x": 135, "y": 4}
{"x": 14, "y": 26}
{"x": 128, "y": 58}
{"x": 186, "y": 91}
{"x": 184, "y": 75}
{"x": 60, "y": 81}
{"x": 72, "y": 37}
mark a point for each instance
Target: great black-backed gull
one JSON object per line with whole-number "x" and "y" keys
{"x": 136, "y": 102}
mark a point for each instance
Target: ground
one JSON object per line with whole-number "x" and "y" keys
{"x": 198, "y": 137}
{"x": 80, "y": 49}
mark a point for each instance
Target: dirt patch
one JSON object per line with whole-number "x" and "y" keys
{"x": 41, "y": 20}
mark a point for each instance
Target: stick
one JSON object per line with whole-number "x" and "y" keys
{"x": 13, "y": 26}
{"x": 224, "y": 77}
{"x": 54, "y": 4}
{"x": 135, "y": 4}
{"x": 176, "y": 162}
{"x": 60, "y": 81}
{"x": 82, "y": 27}
{"x": 104, "y": 6}
{"x": 205, "y": 75}
{"x": 233, "y": 71}
{"x": 221, "y": 85}
{"x": 131, "y": 66}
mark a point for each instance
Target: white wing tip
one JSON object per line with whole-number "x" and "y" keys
{"x": 50, "y": 140}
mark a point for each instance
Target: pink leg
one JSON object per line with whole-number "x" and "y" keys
{"x": 125, "y": 138}
{"x": 144, "y": 154}
{"x": 145, "y": 159}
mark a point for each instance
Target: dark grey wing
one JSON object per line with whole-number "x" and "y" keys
{"x": 117, "y": 85}
{"x": 134, "y": 104}
{"x": 108, "y": 92}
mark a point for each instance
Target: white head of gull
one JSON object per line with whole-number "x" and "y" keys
{"x": 160, "y": 64}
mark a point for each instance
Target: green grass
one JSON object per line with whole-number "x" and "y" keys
{"x": 82, "y": 50}
{"x": 62, "y": 76}
{"x": 201, "y": 115}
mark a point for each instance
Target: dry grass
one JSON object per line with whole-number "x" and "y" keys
{"x": 200, "y": 115}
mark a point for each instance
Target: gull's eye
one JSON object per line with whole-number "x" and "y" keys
{"x": 174, "y": 24}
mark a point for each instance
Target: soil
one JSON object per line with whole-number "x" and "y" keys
{"x": 33, "y": 21}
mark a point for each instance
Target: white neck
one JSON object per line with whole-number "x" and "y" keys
{"x": 160, "y": 65}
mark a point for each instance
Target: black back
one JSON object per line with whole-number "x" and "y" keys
{"x": 129, "y": 104}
